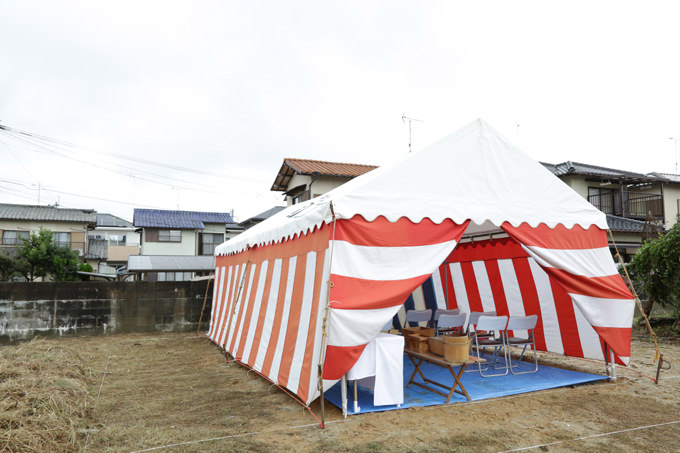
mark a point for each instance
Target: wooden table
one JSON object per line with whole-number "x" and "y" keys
{"x": 418, "y": 358}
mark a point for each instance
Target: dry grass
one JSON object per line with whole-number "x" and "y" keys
{"x": 44, "y": 403}
{"x": 176, "y": 392}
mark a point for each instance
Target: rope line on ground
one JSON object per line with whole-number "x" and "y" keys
{"x": 233, "y": 436}
{"x": 96, "y": 401}
{"x": 592, "y": 436}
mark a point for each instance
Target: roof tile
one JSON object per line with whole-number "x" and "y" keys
{"x": 157, "y": 218}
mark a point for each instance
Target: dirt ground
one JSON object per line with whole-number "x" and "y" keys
{"x": 176, "y": 392}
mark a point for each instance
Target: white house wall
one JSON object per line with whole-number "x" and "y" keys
{"x": 186, "y": 247}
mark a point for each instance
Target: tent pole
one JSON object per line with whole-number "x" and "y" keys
{"x": 613, "y": 363}
{"x": 637, "y": 298}
{"x": 324, "y": 330}
{"x": 205, "y": 299}
{"x": 238, "y": 294}
{"x": 343, "y": 395}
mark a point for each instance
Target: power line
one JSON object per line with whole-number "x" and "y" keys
{"x": 122, "y": 156}
{"x": 38, "y": 147}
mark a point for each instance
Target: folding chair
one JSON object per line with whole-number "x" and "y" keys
{"x": 518, "y": 323}
{"x": 474, "y": 317}
{"x": 451, "y": 324}
{"x": 417, "y": 316}
{"x": 492, "y": 329}
{"x": 443, "y": 311}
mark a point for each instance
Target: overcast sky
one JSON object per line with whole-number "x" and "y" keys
{"x": 219, "y": 92}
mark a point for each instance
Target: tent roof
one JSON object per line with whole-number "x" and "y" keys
{"x": 474, "y": 173}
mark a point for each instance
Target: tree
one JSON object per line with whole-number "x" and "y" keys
{"x": 65, "y": 264}
{"x": 39, "y": 256}
{"x": 38, "y": 251}
{"x": 656, "y": 270}
{"x": 7, "y": 267}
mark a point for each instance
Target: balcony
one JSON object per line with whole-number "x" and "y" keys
{"x": 629, "y": 204}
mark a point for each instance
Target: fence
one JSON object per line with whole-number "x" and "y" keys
{"x": 96, "y": 308}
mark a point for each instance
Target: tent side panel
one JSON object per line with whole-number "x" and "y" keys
{"x": 376, "y": 265}
{"x": 526, "y": 290}
{"x": 272, "y": 300}
{"x": 579, "y": 261}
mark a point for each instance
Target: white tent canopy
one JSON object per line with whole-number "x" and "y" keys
{"x": 474, "y": 174}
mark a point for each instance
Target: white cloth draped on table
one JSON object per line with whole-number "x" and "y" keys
{"x": 381, "y": 368}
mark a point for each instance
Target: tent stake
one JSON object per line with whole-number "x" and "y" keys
{"x": 658, "y": 369}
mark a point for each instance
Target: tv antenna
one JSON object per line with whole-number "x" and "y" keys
{"x": 403, "y": 119}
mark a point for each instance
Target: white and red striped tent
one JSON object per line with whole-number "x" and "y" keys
{"x": 302, "y": 293}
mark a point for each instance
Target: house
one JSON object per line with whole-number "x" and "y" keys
{"x": 70, "y": 227}
{"x": 254, "y": 220}
{"x": 303, "y": 179}
{"x": 185, "y": 240}
{"x": 111, "y": 243}
{"x": 637, "y": 205}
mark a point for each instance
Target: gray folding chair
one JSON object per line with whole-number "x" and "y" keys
{"x": 492, "y": 330}
{"x": 418, "y": 316}
{"x": 474, "y": 316}
{"x": 517, "y": 324}
{"x": 450, "y": 324}
{"x": 443, "y": 311}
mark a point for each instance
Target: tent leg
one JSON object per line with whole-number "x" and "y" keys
{"x": 612, "y": 360}
{"x": 356, "y": 399}
{"x": 343, "y": 391}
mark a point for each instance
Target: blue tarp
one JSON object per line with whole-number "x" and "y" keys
{"x": 478, "y": 387}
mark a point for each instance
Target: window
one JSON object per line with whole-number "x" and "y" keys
{"x": 304, "y": 196}
{"x": 62, "y": 239}
{"x": 172, "y": 276}
{"x": 208, "y": 242}
{"x": 163, "y": 235}
{"x": 603, "y": 199}
{"x": 116, "y": 239}
{"x": 14, "y": 237}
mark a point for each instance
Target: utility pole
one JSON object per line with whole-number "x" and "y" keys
{"x": 403, "y": 119}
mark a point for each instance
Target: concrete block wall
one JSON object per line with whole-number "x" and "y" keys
{"x": 96, "y": 308}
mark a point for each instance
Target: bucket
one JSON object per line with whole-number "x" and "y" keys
{"x": 436, "y": 345}
{"x": 456, "y": 349}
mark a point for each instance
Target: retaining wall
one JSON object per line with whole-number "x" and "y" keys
{"x": 96, "y": 308}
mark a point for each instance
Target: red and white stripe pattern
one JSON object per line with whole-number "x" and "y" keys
{"x": 268, "y": 307}
{"x": 376, "y": 265}
{"x": 566, "y": 277}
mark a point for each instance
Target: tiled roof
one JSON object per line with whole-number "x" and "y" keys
{"x": 261, "y": 216}
{"x": 577, "y": 168}
{"x": 622, "y": 224}
{"x": 266, "y": 214}
{"x": 669, "y": 176}
{"x": 97, "y": 249}
{"x": 108, "y": 220}
{"x": 156, "y": 218}
{"x": 46, "y": 213}
{"x": 309, "y": 167}
{"x": 292, "y": 166}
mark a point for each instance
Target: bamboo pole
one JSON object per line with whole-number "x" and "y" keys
{"x": 205, "y": 299}
{"x": 637, "y": 300}
{"x": 324, "y": 333}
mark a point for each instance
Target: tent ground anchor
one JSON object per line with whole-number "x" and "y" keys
{"x": 658, "y": 369}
